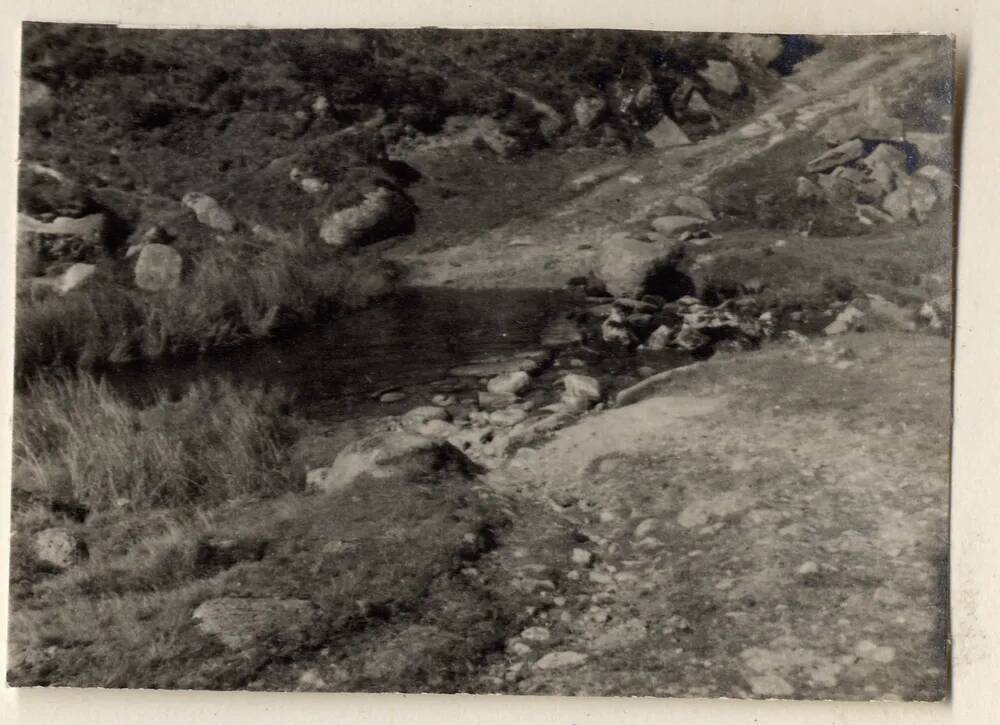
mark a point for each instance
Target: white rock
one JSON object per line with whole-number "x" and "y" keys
{"x": 558, "y": 660}
{"x": 512, "y": 383}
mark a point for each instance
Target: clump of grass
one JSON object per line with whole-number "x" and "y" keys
{"x": 237, "y": 290}
{"x": 218, "y": 442}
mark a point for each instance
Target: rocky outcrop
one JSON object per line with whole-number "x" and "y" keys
{"x": 158, "y": 268}
{"x": 209, "y": 212}
{"x": 382, "y": 213}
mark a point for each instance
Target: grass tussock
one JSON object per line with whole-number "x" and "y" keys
{"x": 218, "y": 442}
{"x": 239, "y": 289}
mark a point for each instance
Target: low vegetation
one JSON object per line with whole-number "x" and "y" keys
{"x": 78, "y": 439}
{"x": 235, "y": 291}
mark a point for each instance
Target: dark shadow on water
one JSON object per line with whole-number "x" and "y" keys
{"x": 410, "y": 338}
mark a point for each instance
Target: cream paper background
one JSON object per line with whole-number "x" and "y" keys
{"x": 976, "y": 463}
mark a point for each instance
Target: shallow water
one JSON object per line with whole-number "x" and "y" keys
{"x": 407, "y": 341}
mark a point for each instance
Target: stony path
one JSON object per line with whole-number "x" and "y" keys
{"x": 747, "y": 541}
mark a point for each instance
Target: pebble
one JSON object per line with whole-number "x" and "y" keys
{"x": 810, "y": 567}
{"x": 443, "y": 400}
{"x": 536, "y": 634}
{"x": 556, "y": 660}
{"x": 645, "y": 528}
{"x": 392, "y": 397}
{"x": 582, "y": 557}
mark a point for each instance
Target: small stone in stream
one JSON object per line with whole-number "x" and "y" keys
{"x": 582, "y": 386}
{"x": 606, "y": 517}
{"x": 443, "y": 400}
{"x": 582, "y": 557}
{"x": 558, "y": 660}
{"x": 509, "y": 383}
{"x": 810, "y": 567}
{"x": 423, "y": 414}
{"x": 866, "y": 649}
{"x": 573, "y": 575}
{"x": 536, "y": 634}
{"x": 508, "y": 416}
{"x": 392, "y": 397}
{"x": 495, "y": 401}
{"x": 615, "y": 330}
{"x": 559, "y": 601}
{"x": 490, "y": 368}
{"x": 645, "y": 528}
{"x": 575, "y": 362}
{"x": 437, "y": 429}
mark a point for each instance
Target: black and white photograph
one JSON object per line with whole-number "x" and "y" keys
{"x": 587, "y": 362}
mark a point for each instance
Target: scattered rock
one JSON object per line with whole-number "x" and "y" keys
{"x": 59, "y": 548}
{"x": 158, "y": 268}
{"x": 512, "y": 383}
{"x": 558, "y": 660}
{"x": 381, "y": 214}
{"x": 848, "y": 319}
{"x": 660, "y": 338}
{"x": 626, "y": 634}
{"x": 695, "y": 207}
{"x": 582, "y": 557}
{"x": 420, "y": 415}
{"x": 770, "y": 686}
{"x": 495, "y": 401}
{"x": 581, "y": 386}
{"x": 671, "y": 226}
{"x": 392, "y": 397}
{"x": 810, "y": 567}
{"x": 627, "y": 265}
{"x": 493, "y": 368}
{"x": 209, "y": 212}
{"x": 666, "y": 134}
{"x": 507, "y": 417}
{"x": 241, "y": 623}
{"x": 615, "y": 329}
{"x": 536, "y": 634}
{"x": 838, "y": 156}
{"x": 390, "y": 455}
{"x": 722, "y": 77}
{"x": 645, "y": 528}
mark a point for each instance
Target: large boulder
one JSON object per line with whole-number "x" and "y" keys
{"x": 721, "y": 77}
{"x": 158, "y": 268}
{"x": 629, "y": 267}
{"x": 382, "y": 213}
{"x": 666, "y": 133}
{"x": 392, "y": 455}
{"x": 209, "y": 212}
{"x": 64, "y": 239}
